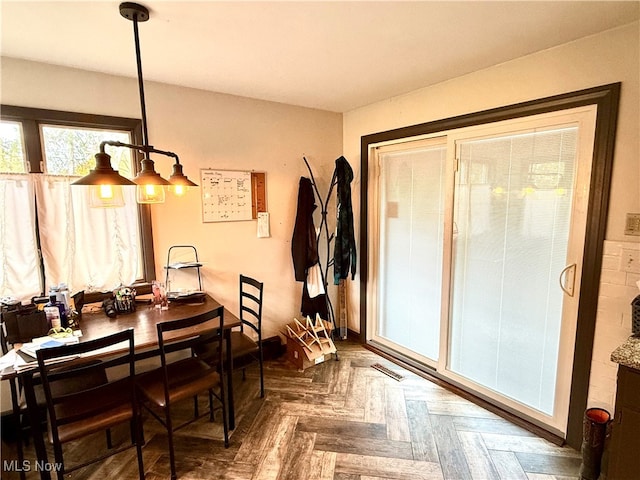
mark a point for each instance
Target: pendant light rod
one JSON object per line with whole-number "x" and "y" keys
{"x": 143, "y": 108}
{"x": 149, "y": 183}
{"x": 137, "y": 13}
{"x": 177, "y": 176}
{"x": 141, "y": 148}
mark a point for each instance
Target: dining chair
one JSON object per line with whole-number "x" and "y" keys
{"x": 89, "y": 408}
{"x": 11, "y": 335}
{"x": 16, "y": 410}
{"x": 185, "y": 378}
{"x": 246, "y": 343}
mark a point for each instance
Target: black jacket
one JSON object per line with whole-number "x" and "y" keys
{"x": 344, "y": 253}
{"x": 304, "y": 244}
{"x": 304, "y": 249}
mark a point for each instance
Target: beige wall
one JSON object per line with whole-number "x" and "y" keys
{"x": 220, "y": 131}
{"x": 601, "y": 59}
{"x": 207, "y": 130}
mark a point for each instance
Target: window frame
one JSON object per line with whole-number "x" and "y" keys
{"x": 32, "y": 118}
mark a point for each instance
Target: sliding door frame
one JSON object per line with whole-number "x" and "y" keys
{"x": 606, "y": 98}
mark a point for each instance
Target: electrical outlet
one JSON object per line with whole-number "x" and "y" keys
{"x": 632, "y": 225}
{"x": 630, "y": 261}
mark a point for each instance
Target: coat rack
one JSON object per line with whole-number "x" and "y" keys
{"x": 323, "y": 230}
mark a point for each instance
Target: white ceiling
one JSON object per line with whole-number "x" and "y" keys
{"x": 336, "y": 55}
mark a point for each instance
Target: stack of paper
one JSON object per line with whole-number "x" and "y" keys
{"x": 27, "y": 356}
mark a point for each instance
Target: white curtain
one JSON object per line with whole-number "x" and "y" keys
{"x": 93, "y": 249}
{"x": 20, "y": 276}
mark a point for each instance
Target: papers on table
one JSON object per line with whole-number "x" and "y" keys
{"x": 25, "y": 356}
{"x": 8, "y": 359}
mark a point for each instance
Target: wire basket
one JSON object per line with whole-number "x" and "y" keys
{"x": 635, "y": 315}
{"x": 125, "y": 300}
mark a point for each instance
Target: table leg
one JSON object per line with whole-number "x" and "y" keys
{"x": 230, "y": 409}
{"x": 36, "y": 426}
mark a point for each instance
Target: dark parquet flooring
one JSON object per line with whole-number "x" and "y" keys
{"x": 340, "y": 420}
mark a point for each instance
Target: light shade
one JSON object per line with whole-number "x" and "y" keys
{"x": 180, "y": 184}
{"x": 148, "y": 175}
{"x": 103, "y": 174}
{"x": 150, "y": 184}
{"x": 106, "y": 196}
{"x": 150, "y": 193}
{"x": 179, "y": 178}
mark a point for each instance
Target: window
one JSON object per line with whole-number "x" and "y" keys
{"x": 49, "y": 234}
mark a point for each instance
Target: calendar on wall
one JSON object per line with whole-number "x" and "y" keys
{"x": 232, "y": 195}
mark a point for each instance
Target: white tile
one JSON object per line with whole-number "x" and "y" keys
{"x": 613, "y": 304}
{"x": 610, "y": 329}
{"x": 611, "y": 262}
{"x": 611, "y": 248}
{"x": 602, "y": 397}
{"x": 631, "y": 279}
{"x": 613, "y": 277}
{"x": 605, "y": 344}
{"x": 608, "y": 317}
{"x": 626, "y": 323}
{"x": 607, "y": 367}
{"x": 603, "y": 375}
{"x": 618, "y": 291}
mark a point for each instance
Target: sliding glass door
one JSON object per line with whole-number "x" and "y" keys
{"x": 411, "y": 242}
{"x": 481, "y": 233}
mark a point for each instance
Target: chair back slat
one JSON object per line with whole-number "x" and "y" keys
{"x": 179, "y": 379}
{"x": 187, "y": 336}
{"x": 75, "y": 381}
{"x": 88, "y": 346}
{"x": 4, "y": 345}
{"x": 250, "y": 296}
{"x": 81, "y": 368}
{"x": 251, "y": 304}
{"x": 250, "y": 339}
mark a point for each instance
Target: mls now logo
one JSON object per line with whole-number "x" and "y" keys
{"x": 27, "y": 466}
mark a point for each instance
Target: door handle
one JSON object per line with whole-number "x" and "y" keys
{"x": 569, "y": 274}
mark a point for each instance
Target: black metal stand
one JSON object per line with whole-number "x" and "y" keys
{"x": 323, "y": 231}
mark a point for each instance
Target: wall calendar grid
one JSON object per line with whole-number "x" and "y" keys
{"x": 226, "y": 195}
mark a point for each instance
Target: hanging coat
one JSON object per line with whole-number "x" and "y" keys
{"x": 304, "y": 249}
{"x": 344, "y": 253}
{"x": 304, "y": 244}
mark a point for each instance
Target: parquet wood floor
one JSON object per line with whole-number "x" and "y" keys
{"x": 340, "y": 420}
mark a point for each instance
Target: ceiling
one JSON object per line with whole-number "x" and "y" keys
{"x": 332, "y": 55}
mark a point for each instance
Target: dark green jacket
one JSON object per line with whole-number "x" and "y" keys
{"x": 344, "y": 253}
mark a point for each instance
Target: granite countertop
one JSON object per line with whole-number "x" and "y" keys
{"x": 628, "y": 354}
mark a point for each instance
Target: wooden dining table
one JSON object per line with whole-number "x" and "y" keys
{"x": 96, "y": 324}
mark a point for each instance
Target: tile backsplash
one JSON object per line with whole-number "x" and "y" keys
{"x": 613, "y": 321}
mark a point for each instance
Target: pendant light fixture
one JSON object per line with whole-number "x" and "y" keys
{"x": 105, "y": 183}
{"x": 150, "y": 185}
